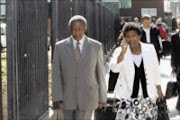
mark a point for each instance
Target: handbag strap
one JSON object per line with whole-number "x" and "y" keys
{"x": 172, "y": 76}
{"x": 114, "y": 101}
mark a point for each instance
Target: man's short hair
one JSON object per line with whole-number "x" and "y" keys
{"x": 77, "y": 18}
{"x": 122, "y": 18}
{"x": 136, "y": 18}
{"x": 146, "y": 16}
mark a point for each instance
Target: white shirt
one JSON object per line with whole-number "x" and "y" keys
{"x": 147, "y": 31}
{"x": 80, "y": 45}
{"x": 137, "y": 60}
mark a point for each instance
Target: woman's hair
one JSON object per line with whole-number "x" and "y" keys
{"x": 77, "y": 18}
{"x": 131, "y": 26}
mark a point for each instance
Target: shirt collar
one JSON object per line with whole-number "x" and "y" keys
{"x": 146, "y": 29}
{"x": 80, "y": 41}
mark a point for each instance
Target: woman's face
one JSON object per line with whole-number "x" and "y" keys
{"x": 132, "y": 38}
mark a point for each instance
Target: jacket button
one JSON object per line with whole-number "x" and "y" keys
{"x": 76, "y": 77}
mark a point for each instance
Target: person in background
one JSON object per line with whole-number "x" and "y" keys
{"x": 162, "y": 30}
{"x": 174, "y": 24}
{"x": 164, "y": 25}
{"x": 175, "y": 60}
{"x": 78, "y": 75}
{"x": 122, "y": 23}
{"x": 153, "y": 23}
{"x": 113, "y": 76}
{"x": 139, "y": 83}
{"x": 136, "y": 20}
{"x": 151, "y": 34}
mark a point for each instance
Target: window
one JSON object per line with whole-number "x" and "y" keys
{"x": 2, "y": 12}
{"x": 125, "y": 4}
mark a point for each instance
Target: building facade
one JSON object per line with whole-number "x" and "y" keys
{"x": 136, "y": 8}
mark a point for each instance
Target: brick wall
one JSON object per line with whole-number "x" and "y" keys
{"x": 135, "y": 11}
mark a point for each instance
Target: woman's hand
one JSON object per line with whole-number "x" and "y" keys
{"x": 160, "y": 93}
{"x": 124, "y": 46}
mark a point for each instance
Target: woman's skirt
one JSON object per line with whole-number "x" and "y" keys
{"x": 137, "y": 109}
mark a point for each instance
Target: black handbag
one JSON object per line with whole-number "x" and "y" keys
{"x": 171, "y": 90}
{"x": 109, "y": 112}
{"x": 105, "y": 114}
{"x": 162, "y": 110}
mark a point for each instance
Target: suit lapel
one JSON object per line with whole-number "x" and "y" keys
{"x": 151, "y": 35}
{"x": 86, "y": 48}
{"x": 70, "y": 47}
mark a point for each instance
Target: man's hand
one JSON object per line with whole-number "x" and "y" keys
{"x": 110, "y": 92}
{"x": 57, "y": 105}
{"x": 102, "y": 104}
{"x": 173, "y": 67}
{"x": 173, "y": 71}
{"x": 160, "y": 51}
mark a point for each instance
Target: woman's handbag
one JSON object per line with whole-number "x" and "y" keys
{"x": 171, "y": 90}
{"x": 109, "y": 111}
{"x": 162, "y": 110}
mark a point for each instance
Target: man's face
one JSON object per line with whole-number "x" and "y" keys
{"x": 78, "y": 29}
{"x": 136, "y": 20}
{"x": 146, "y": 23}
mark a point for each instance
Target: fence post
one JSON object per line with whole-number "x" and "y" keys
{"x": 1, "y": 112}
{"x": 11, "y": 17}
{"x": 54, "y": 25}
{"x": 27, "y": 66}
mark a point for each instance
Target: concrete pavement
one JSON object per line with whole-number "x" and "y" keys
{"x": 165, "y": 70}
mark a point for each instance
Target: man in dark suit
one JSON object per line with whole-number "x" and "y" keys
{"x": 151, "y": 34}
{"x": 175, "y": 60}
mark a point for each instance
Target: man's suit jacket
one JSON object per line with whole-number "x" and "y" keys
{"x": 175, "y": 50}
{"x": 124, "y": 85}
{"x": 80, "y": 84}
{"x": 154, "y": 33}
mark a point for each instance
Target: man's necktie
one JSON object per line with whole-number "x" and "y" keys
{"x": 77, "y": 51}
